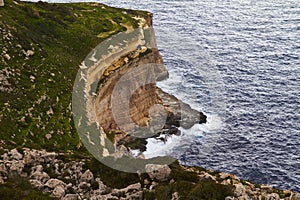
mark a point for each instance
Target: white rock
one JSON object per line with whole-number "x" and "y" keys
{"x": 38, "y": 168}
{"x": 70, "y": 197}
{"x": 16, "y": 166}
{"x": 15, "y": 154}
{"x": 175, "y": 196}
{"x": 159, "y": 172}
{"x": 58, "y": 192}
{"x": 87, "y": 176}
{"x": 36, "y": 184}
{"x": 209, "y": 176}
{"x": 41, "y": 176}
{"x": 84, "y": 185}
{"x": 48, "y": 156}
{"x": 29, "y": 53}
{"x": 53, "y": 183}
{"x": 3, "y": 169}
{"x": 240, "y": 190}
{"x": 7, "y": 56}
{"x": 296, "y": 197}
{"x": 273, "y": 196}
{"x": 32, "y": 78}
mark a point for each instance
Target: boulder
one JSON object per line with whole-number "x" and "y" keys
{"x": 87, "y": 176}
{"x": 240, "y": 190}
{"x": 53, "y": 183}
{"x": 58, "y": 192}
{"x": 16, "y": 166}
{"x": 272, "y": 196}
{"x": 41, "y": 176}
{"x": 36, "y": 184}
{"x": 70, "y": 197}
{"x": 15, "y": 154}
{"x": 296, "y": 197}
{"x": 84, "y": 186}
{"x": 158, "y": 172}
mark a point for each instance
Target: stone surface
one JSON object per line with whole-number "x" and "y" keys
{"x": 58, "y": 192}
{"x": 240, "y": 190}
{"x": 158, "y": 172}
{"x": 87, "y": 176}
{"x": 36, "y": 162}
{"x": 36, "y": 184}
{"x": 15, "y": 154}
{"x": 70, "y": 197}
{"x": 53, "y": 183}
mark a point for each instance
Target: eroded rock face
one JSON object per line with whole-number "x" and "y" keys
{"x": 139, "y": 103}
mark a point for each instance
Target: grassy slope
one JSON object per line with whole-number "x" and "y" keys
{"x": 60, "y": 35}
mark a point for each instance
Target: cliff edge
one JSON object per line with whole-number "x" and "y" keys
{"x": 42, "y": 156}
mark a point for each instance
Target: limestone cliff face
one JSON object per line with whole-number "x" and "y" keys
{"x": 135, "y": 112}
{"x": 139, "y": 103}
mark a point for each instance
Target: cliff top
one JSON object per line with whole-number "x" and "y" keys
{"x": 42, "y": 46}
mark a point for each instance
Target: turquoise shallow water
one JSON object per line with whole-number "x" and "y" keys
{"x": 238, "y": 61}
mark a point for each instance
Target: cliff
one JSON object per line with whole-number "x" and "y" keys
{"x": 42, "y": 157}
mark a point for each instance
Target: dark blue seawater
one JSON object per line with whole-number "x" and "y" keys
{"x": 253, "y": 51}
{"x": 255, "y": 46}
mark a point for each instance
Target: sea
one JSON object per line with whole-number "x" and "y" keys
{"x": 238, "y": 61}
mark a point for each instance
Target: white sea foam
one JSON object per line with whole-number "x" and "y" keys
{"x": 177, "y": 144}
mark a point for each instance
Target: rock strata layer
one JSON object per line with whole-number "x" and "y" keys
{"x": 141, "y": 95}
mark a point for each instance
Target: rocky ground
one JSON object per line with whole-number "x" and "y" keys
{"x": 42, "y": 46}
{"x": 48, "y": 173}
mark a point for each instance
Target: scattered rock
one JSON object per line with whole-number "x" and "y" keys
{"x": 41, "y": 176}
{"x": 273, "y": 196}
{"x": 48, "y": 136}
{"x": 175, "y": 196}
{"x": 58, "y": 192}
{"x": 70, "y": 197}
{"x": 16, "y": 167}
{"x": 240, "y": 190}
{"x": 6, "y": 56}
{"x": 39, "y": 160}
{"x": 296, "y": 197}
{"x": 29, "y": 52}
{"x": 87, "y": 176}
{"x": 158, "y": 172}
{"x": 15, "y": 154}
{"x": 36, "y": 184}
{"x": 53, "y": 183}
{"x": 84, "y": 186}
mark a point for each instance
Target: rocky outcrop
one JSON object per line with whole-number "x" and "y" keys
{"x": 158, "y": 172}
{"x": 34, "y": 107}
{"x": 70, "y": 181}
{"x": 141, "y": 63}
{"x": 62, "y": 180}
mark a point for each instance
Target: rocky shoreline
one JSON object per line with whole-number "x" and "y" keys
{"x": 41, "y": 154}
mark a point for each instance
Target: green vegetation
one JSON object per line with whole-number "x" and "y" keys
{"x": 111, "y": 177}
{"x": 188, "y": 185}
{"x": 42, "y": 47}
{"x": 17, "y": 187}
